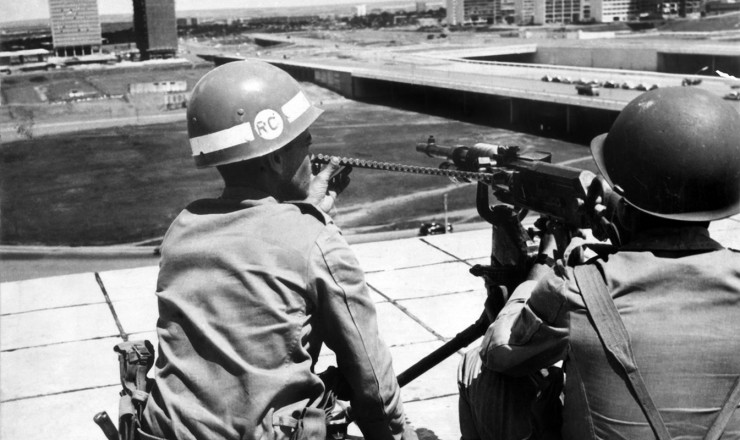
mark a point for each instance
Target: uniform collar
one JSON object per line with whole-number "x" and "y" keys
{"x": 693, "y": 238}
{"x": 247, "y": 195}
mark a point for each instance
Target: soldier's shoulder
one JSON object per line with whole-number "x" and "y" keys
{"x": 307, "y": 209}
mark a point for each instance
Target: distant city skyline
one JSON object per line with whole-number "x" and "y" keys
{"x": 14, "y": 10}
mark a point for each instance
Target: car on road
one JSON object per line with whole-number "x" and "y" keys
{"x": 645, "y": 87}
{"x": 732, "y": 96}
{"x": 587, "y": 89}
{"x": 433, "y": 228}
{"x": 629, "y": 85}
{"x": 691, "y": 81}
{"x": 586, "y": 82}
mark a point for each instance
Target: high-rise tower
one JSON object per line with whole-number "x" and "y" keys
{"x": 75, "y": 27}
{"x": 155, "y": 26}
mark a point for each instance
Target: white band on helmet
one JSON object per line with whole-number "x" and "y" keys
{"x": 297, "y": 106}
{"x": 222, "y": 140}
{"x": 239, "y": 134}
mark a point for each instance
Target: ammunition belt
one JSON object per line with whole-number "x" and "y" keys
{"x": 413, "y": 169}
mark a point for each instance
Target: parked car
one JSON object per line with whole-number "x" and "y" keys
{"x": 646, "y": 87}
{"x": 588, "y": 89}
{"x": 547, "y": 78}
{"x": 584, "y": 81}
{"x": 733, "y": 96}
{"x": 611, "y": 84}
{"x": 433, "y": 228}
{"x": 629, "y": 85}
{"x": 691, "y": 81}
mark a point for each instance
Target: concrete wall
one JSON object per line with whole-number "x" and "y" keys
{"x": 340, "y": 82}
{"x": 158, "y": 87}
{"x": 617, "y": 58}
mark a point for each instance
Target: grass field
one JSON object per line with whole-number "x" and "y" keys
{"x": 126, "y": 184}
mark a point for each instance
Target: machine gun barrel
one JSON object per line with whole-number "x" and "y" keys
{"x": 481, "y": 155}
{"x": 524, "y": 179}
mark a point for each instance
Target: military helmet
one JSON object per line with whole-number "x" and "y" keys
{"x": 245, "y": 109}
{"x": 674, "y": 153}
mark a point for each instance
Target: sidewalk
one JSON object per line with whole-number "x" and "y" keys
{"x": 57, "y": 333}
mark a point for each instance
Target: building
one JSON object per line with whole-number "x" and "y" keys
{"x": 721, "y": 7}
{"x": 155, "y": 27}
{"x": 558, "y": 11}
{"x": 455, "y": 12}
{"x": 178, "y": 86}
{"x": 361, "y": 10}
{"x": 480, "y": 11}
{"x": 524, "y": 12}
{"x": 604, "y": 11}
{"x": 23, "y": 60}
{"x": 75, "y": 27}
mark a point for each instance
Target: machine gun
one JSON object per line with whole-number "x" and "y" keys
{"x": 570, "y": 198}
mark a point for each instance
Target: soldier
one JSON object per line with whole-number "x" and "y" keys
{"x": 673, "y": 156}
{"x": 251, "y": 284}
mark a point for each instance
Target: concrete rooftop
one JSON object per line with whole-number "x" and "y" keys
{"x": 58, "y": 368}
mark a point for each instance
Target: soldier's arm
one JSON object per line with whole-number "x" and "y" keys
{"x": 347, "y": 319}
{"x": 531, "y": 332}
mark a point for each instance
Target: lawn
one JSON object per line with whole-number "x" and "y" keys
{"x": 126, "y": 184}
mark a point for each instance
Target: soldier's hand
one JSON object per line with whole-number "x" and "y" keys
{"x": 325, "y": 186}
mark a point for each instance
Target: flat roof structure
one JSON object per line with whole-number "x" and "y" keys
{"x": 57, "y": 333}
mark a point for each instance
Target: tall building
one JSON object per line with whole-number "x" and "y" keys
{"x": 559, "y": 11}
{"x": 455, "y": 13}
{"x": 524, "y": 11}
{"x": 604, "y": 11}
{"x": 478, "y": 11}
{"x": 155, "y": 27}
{"x": 75, "y": 27}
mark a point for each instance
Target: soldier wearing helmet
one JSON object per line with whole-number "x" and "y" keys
{"x": 672, "y": 157}
{"x": 253, "y": 283}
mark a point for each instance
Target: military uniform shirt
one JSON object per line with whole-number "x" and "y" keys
{"x": 678, "y": 293}
{"x": 249, "y": 289}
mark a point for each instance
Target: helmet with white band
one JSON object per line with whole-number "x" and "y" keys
{"x": 245, "y": 109}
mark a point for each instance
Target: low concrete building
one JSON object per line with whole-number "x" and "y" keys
{"x": 29, "y": 59}
{"x": 157, "y": 87}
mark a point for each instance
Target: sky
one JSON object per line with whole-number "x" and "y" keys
{"x": 13, "y": 10}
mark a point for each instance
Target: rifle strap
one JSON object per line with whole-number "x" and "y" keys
{"x": 725, "y": 413}
{"x": 614, "y": 337}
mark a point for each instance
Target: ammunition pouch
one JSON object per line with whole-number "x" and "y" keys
{"x": 135, "y": 359}
{"x": 322, "y": 422}
{"x": 311, "y": 425}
